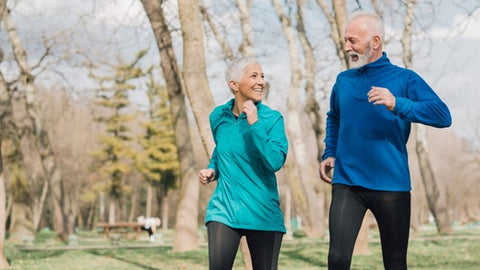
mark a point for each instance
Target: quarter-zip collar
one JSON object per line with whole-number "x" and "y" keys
{"x": 227, "y": 108}
{"x": 379, "y": 63}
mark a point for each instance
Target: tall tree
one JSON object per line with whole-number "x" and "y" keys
{"x": 3, "y": 215}
{"x": 35, "y": 146}
{"x": 201, "y": 101}
{"x": 313, "y": 204}
{"x": 114, "y": 159}
{"x": 187, "y": 212}
{"x": 158, "y": 160}
{"x": 437, "y": 202}
{"x": 336, "y": 15}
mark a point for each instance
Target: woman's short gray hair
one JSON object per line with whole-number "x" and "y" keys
{"x": 236, "y": 69}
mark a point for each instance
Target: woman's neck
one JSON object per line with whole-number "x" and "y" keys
{"x": 237, "y": 107}
{"x": 236, "y": 110}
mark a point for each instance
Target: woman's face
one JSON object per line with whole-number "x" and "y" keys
{"x": 251, "y": 85}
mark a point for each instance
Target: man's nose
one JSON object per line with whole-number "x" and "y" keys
{"x": 347, "y": 46}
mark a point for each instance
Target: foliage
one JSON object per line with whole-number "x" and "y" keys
{"x": 114, "y": 158}
{"x": 158, "y": 160}
{"x": 299, "y": 234}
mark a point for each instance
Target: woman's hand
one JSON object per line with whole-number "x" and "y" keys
{"x": 250, "y": 110}
{"x": 206, "y": 176}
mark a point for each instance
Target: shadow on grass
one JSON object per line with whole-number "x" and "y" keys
{"x": 36, "y": 255}
{"x": 110, "y": 254}
{"x": 304, "y": 255}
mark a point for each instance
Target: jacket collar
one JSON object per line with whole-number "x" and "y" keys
{"x": 229, "y": 105}
{"x": 379, "y": 63}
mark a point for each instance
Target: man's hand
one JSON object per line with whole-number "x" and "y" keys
{"x": 381, "y": 96}
{"x": 206, "y": 176}
{"x": 250, "y": 110}
{"x": 326, "y": 167}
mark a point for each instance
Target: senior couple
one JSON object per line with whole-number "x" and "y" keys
{"x": 372, "y": 106}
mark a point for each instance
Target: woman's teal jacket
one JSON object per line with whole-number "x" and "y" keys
{"x": 245, "y": 160}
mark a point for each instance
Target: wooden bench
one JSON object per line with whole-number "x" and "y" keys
{"x": 120, "y": 227}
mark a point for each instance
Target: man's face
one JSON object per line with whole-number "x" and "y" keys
{"x": 358, "y": 44}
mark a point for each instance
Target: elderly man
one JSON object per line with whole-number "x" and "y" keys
{"x": 372, "y": 106}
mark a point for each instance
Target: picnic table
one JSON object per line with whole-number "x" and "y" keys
{"x": 120, "y": 227}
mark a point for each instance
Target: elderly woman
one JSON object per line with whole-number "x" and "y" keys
{"x": 250, "y": 147}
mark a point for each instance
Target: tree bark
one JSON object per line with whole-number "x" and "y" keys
{"x": 246, "y": 48}
{"x": 312, "y": 106}
{"x": 42, "y": 141}
{"x": 14, "y": 163}
{"x": 187, "y": 211}
{"x": 310, "y": 183}
{"x": 111, "y": 211}
{"x": 226, "y": 49}
{"x": 194, "y": 69}
{"x": 337, "y": 22}
{"x": 148, "y": 211}
{"x": 3, "y": 215}
{"x": 436, "y": 200}
{"x": 165, "y": 210}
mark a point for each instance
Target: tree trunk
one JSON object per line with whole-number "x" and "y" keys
{"x": 337, "y": 22}
{"x": 310, "y": 184}
{"x": 187, "y": 212}
{"x": 199, "y": 95}
{"x": 3, "y": 214}
{"x": 194, "y": 70}
{"x": 42, "y": 141}
{"x": 14, "y": 163}
{"x": 246, "y": 48}
{"x": 226, "y": 49}
{"x": 111, "y": 211}
{"x": 135, "y": 203}
{"x": 288, "y": 213}
{"x": 435, "y": 199}
{"x": 21, "y": 226}
{"x": 148, "y": 211}
{"x": 312, "y": 106}
{"x": 101, "y": 206}
{"x": 165, "y": 211}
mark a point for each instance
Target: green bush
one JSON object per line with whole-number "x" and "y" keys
{"x": 299, "y": 234}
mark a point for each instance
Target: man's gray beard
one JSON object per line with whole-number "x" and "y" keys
{"x": 362, "y": 58}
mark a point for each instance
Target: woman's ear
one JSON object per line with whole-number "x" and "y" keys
{"x": 233, "y": 85}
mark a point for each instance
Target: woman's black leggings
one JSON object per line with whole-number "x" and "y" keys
{"x": 223, "y": 244}
{"x": 392, "y": 212}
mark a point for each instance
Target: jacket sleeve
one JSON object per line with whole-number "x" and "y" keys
{"x": 272, "y": 143}
{"x": 213, "y": 160}
{"x": 422, "y": 105}
{"x": 332, "y": 128}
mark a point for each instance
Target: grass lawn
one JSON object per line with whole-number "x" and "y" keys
{"x": 426, "y": 251}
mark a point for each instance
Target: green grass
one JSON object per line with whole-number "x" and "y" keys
{"x": 426, "y": 251}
